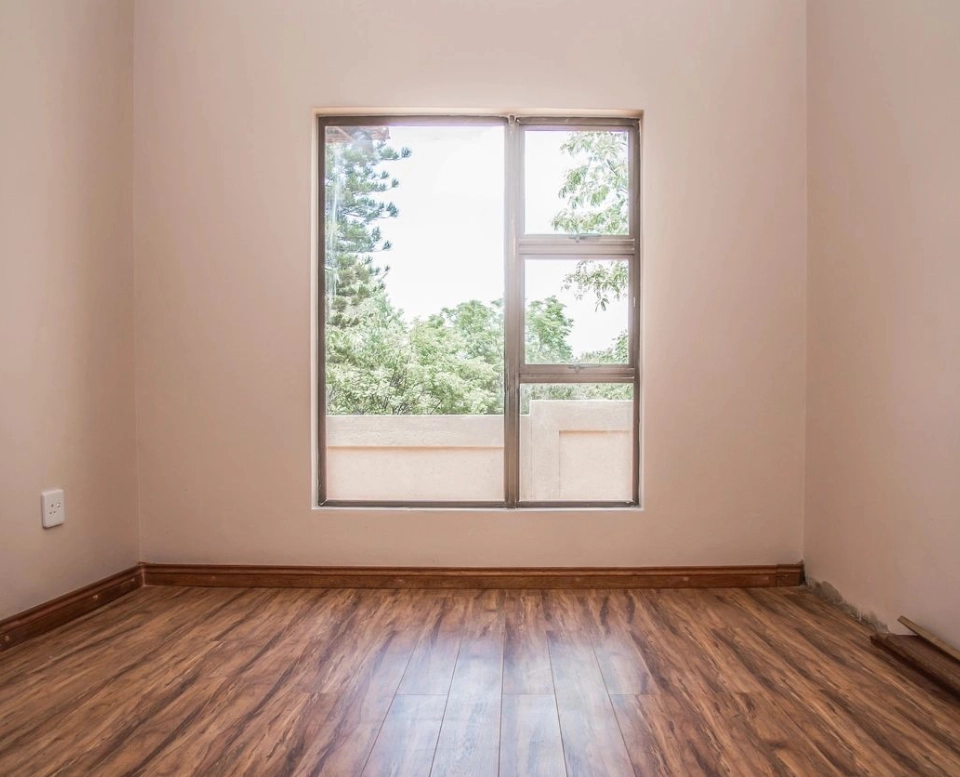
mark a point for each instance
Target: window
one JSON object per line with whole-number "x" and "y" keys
{"x": 479, "y": 326}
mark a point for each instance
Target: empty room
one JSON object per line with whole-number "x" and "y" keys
{"x": 479, "y": 388}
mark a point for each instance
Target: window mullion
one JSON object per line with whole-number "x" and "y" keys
{"x": 635, "y": 341}
{"x": 513, "y": 318}
{"x": 321, "y": 312}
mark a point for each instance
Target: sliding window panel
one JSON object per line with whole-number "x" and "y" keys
{"x": 576, "y": 311}
{"x": 413, "y": 283}
{"x": 577, "y": 443}
{"x": 577, "y": 181}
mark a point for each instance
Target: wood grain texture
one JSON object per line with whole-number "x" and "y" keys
{"x": 531, "y": 744}
{"x": 55, "y": 613}
{"x": 296, "y": 682}
{"x": 408, "y": 738}
{"x": 592, "y": 742}
{"x": 526, "y": 654}
{"x": 925, "y": 657}
{"x": 457, "y": 578}
{"x": 930, "y": 637}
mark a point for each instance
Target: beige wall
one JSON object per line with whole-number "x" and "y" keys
{"x": 224, "y": 94}
{"x": 221, "y": 214}
{"x": 883, "y": 481}
{"x": 66, "y": 294}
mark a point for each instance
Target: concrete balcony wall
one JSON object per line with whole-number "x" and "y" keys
{"x": 569, "y": 450}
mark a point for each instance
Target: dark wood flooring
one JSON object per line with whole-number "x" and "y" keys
{"x": 191, "y": 681}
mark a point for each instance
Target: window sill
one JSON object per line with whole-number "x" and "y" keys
{"x": 468, "y": 509}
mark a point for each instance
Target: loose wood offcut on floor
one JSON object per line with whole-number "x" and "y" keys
{"x": 191, "y": 681}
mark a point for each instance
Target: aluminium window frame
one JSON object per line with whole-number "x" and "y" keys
{"x": 518, "y": 248}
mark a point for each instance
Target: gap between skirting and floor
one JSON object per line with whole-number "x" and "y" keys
{"x": 57, "y": 612}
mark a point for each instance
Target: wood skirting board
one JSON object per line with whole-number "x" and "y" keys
{"x": 49, "y": 615}
{"x": 442, "y": 577}
{"x": 937, "y": 663}
{"x": 57, "y": 612}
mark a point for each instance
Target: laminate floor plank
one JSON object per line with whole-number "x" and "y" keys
{"x": 453, "y": 611}
{"x": 530, "y": 740}
{"x": 79, "y": 731}
{"x": 469, "y": 741}
{"x": 526, "y": 654}
{"x": 702, "y": 632}
{"x": 664, "y": 739}
{"x": 63, "y": 691}
{"x": 805, "y": 691}
{"x": 78, "y": 663}
{"x": 224, "y": 726}
{"x": 479, "y": 667}
{"x": 562, "y": 683}
{"x": 786, "y": 741}
{"x": 253, "y": 705}
{"x": 592, "y": 742}
{"x": 622, "y": 666}
{"x": 152, "y": 728}
{"x": 345, "y": 740}
{"x": 638, "y": 717}
{"x": 331, "y": 659}
{"x": 431, "y": 666}
{"x": 407, "y": 741}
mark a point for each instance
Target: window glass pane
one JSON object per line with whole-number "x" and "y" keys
{"x": 576, "y": 182}
{"x": 576, "y": 442}
{"x": 576, "y": 312}
{"x": 413, "y": 273}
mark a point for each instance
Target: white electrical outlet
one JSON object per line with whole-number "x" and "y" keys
{"x": 54, "y": 512}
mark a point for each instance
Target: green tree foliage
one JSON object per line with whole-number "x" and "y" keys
{"x": 596, "y": 189}
{"x": 606, "y": 280}
{"x": 367, "y": 349}
{"x": 354, "y": 184}
{"x": 365, "y": 335}
{"x": 453, "y": 367}
{"x": 377, "y": 363}
{"x": 385, "y": 366}
{"x": 547, "y": 330}
{"x": 451, "y": 362}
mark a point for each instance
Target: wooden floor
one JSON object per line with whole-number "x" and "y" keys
{"x": 189, "y": 681}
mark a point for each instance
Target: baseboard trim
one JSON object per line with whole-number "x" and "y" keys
{"x": 934, "y": 664}
{"x": 57, "y": 612}
{"x": 50, "y": 615}
{"x": 446, "y": 577}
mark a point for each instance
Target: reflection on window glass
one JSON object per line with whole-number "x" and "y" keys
{"x": 413, "y": 271}
{"x": 576, "y": 182}
{"x": 576, "y": 442}
{"x": 576, "y": 312}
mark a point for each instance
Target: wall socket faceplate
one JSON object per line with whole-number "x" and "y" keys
{"x": 54, "y": 512}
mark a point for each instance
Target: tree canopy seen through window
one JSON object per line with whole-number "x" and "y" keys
{"x": 451, "y": 362}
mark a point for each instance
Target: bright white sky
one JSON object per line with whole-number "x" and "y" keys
{"x": 448, "y": 241}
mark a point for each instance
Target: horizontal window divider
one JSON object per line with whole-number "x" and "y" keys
{"x": 580, "y": 122}
{"x": 619, "y": 123}
{"x": 586, "y": 373}
{"x": 404, "y": 505}
{"x": 577, "y": 505}
{"x": 563, "y": 246}
{"x": 411, "y": 120}
{"x": 375, "y": 504}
